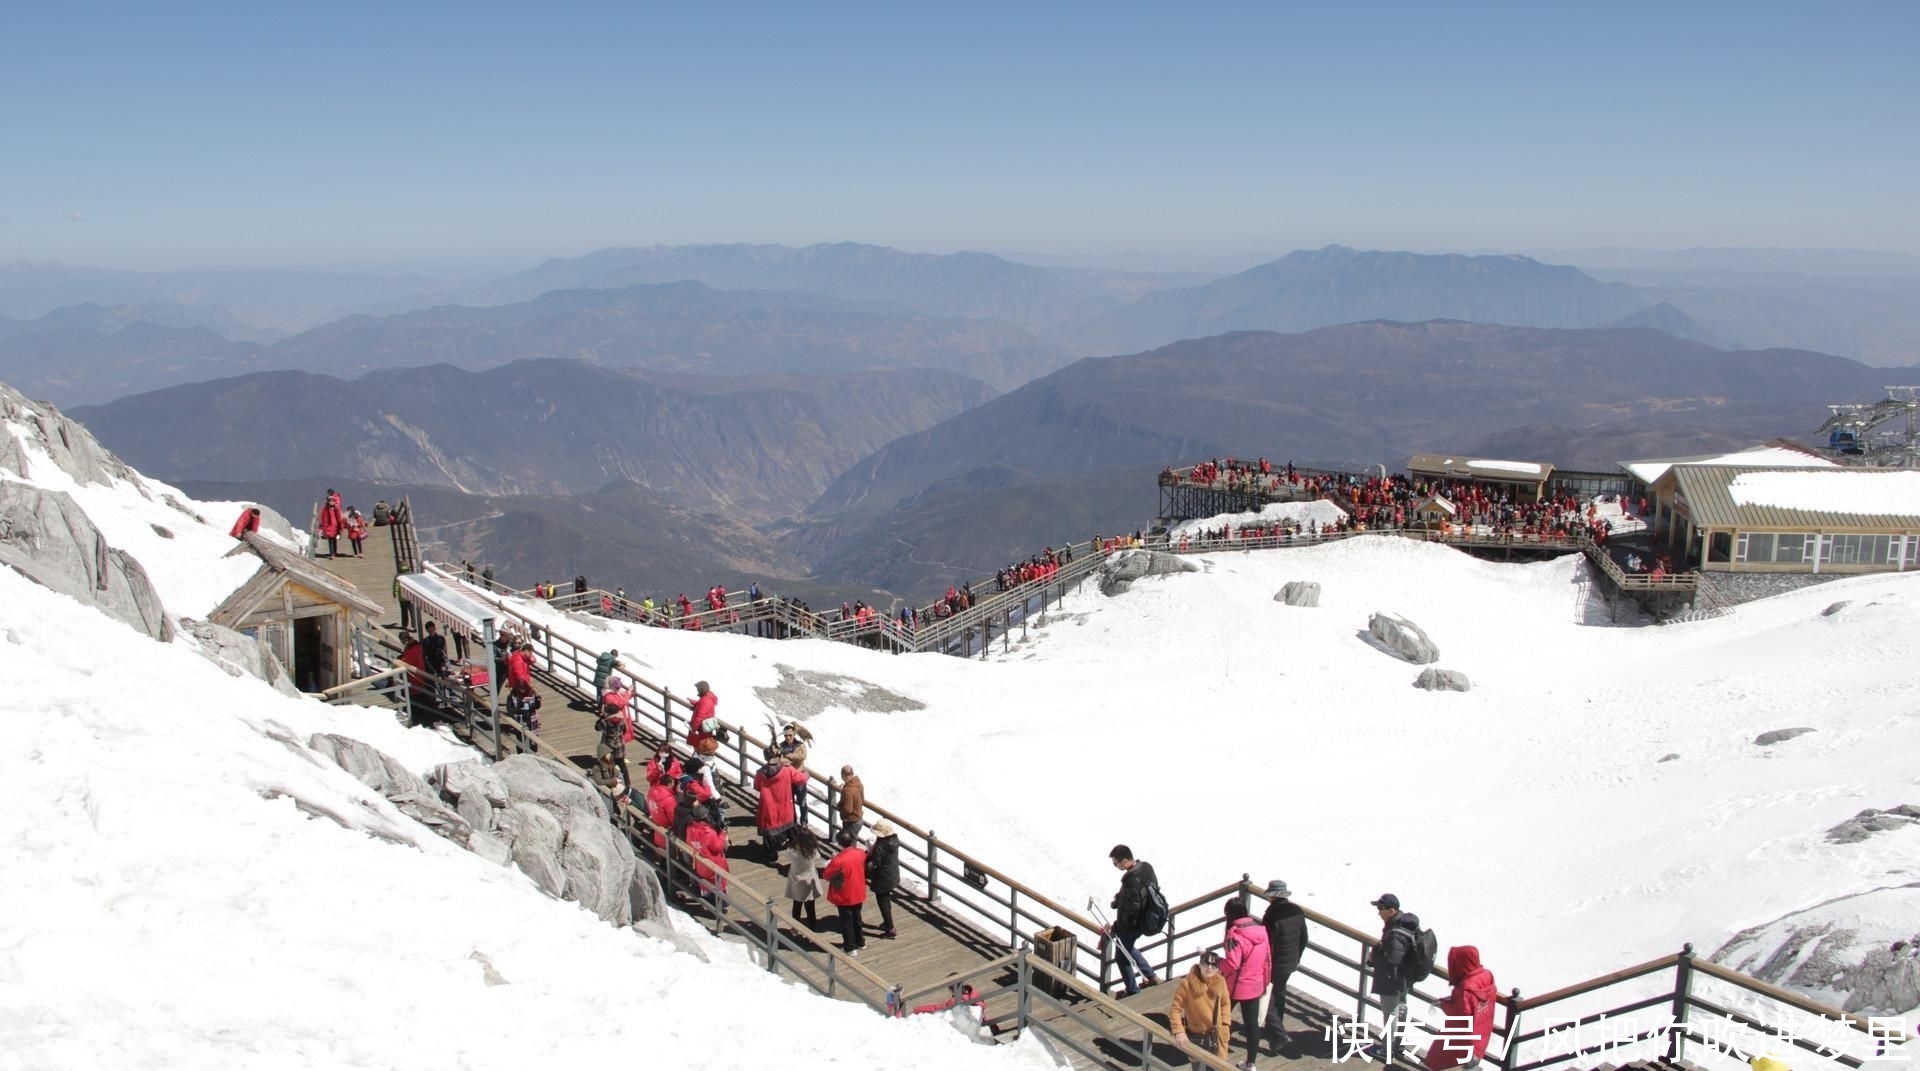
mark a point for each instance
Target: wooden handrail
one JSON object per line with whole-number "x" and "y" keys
{"x": 1784, "y": 996}
{"x": 339, "y": 689}
{"x": 1612, "y": 978}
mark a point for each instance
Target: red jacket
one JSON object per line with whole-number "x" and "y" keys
{"x": 1473, "y": 998}
{"x": 661, "y": 803}
{"x": 519, "y": 668}
{"x": 710, "y": 847}
{"x": 330, "y": 521}
{"x": 703, "y": 709}
{"x": 846, "y": 878}
{"x": 249, "y": 522}
{"x": 655, "y": 775}
{"x": 415, "y": 656}
{"x": 776, "y": 782}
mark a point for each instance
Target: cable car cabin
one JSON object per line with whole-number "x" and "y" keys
{"x": 1845, "y": 441}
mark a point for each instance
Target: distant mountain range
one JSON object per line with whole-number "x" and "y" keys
{"x": 1319, "y": 288}
{"x": 671, "y": 327}
{"x": 1348, "y": 396}
{"x": 756, "y": 449}
{"x": 285, "y": 299}
{"x": 971, "y": 285}
{"x": 107, "y": 319}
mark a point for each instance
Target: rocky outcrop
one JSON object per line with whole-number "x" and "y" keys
{"x": 1299, "y": 593}
{"x": 69, "y": 446}
{"x": 239, "y": 654}
{"x": 46, "y": 537}
{"x": 553, "y": 824}
{"x": 1443, "y": 680}
{"x": 407, "y": 791}
{"x": 1118, "y": 573}
{"x": 1860, "y": 952}
{"x": 1775, "y": 736}
{"x": 1871, "y": 821}
{"x": 1403, "y": 638}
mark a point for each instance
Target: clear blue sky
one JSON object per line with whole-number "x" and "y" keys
{"x": 190, "y": 134}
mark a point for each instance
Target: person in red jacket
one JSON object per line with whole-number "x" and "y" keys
{"x": 520, "y": 666}
{"x": 1467, "y": 1013}
{"x": 703, "y": 728}
{"x": 356, "y": 532}
{"x": 663, "y": 767}
{"x": 775, "y": 817}
{"x": 846, "y": 878}
{"x": 331, "y": 522}
{"x": 709, "y": 853}
{"x": 662, "y": 801}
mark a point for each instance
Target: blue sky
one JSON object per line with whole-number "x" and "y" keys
{"x": 163, "y": 135}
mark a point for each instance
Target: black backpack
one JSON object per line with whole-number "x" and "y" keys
{"x": 1421, "y": 956}
{"x": 1153, "y": 913}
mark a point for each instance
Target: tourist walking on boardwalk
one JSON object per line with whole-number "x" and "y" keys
{"x": 1393, "y": 962}
{"x": 356, "y": 532}
{"x": 616, "y": 732}
{"x": 1246, "y": 962}
{"x": 853, "y": 800}
{"x": 775, "y": 817}
{"x": 803, "y": 876}
{"x": 1202, "y": 1008}
{"x": 602, "y": 668}
{"x": 846, "y": 878}
{"x": 704, "y": 733}
{"x": 331, "y": 522}
{"x": 793, "y": 748}
{"x": 1466, "y": 1013}
{"x": 1287, "y": 937}
{"x": 1138, "y": 909}
{"x": 883, "y": 873}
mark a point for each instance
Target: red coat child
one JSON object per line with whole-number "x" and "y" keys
{"x": 1470, "y": 1005}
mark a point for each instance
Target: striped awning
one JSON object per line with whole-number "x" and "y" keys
{"x": 445, "y": 601}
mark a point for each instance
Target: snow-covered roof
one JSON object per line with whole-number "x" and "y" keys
{"x": 1762, "y": 456}
{"x": 1480, "y": 468}
{"x": 1432, "y": 501}
{"x": 1831, "y": 499}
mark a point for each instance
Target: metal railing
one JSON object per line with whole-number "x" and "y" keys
{"x": 1336, "y": 968}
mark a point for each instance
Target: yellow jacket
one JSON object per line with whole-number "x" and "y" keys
{"x": 1201, "y": 1006}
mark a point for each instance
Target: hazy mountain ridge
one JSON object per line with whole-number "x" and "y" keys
{"x": 758, "y": 449}
{"x": 680, "y": 326}
{"x": 1319, "y": 288}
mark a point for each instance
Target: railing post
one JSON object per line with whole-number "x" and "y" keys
{"x": 1025, "y": 975}
{"x": 933, "y": 868}
{"x": 1360, "y": 991}
{"x": 1510, "y": 1054}
{"x": 666, "y": 715}
{"x": 773, "y": 939}
{"x": 1682, "y": 1001}
{"x": 833, "y": 810}
{"x": 1013, "y": 915}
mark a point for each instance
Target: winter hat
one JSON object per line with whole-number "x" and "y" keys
{"x": 1277, "y": 890}
{"x": 883, "y": 828}
{"x": 1388, "y": 900}
{"x": 701, "y": 687}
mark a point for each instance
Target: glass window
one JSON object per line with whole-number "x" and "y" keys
{"x": 1720, "y": 547}
{"x": 1873, "y": 549}
{"x": 1789, "y": 546}
{"x": 1758, "y": 548}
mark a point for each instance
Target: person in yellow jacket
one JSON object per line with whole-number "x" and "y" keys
{"x": 1202, "y": 1009}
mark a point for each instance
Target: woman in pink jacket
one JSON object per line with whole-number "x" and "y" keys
{"x": 1246, "y": 962}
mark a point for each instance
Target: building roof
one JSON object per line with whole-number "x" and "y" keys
{"x": 1436, "y": 501}
{"x": 277, "y": 565}
{"x": 1480, "y": 468}
{"x": 1758, "y": 498}
{"x": 1778, "y": 454}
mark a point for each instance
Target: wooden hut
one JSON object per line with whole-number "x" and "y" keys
{"x": 1435, "y": 510}
{"x": 305, "y": 614}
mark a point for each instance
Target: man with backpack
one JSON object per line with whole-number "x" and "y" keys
{"x": 1139, "y": 908}
{"x": 1403, "y": 958}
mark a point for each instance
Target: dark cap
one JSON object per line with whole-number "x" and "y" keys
{"x": 1388, "y": 900}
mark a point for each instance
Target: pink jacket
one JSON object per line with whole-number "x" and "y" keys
{"x": 1247, "y": 961}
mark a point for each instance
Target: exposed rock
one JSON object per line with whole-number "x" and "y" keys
{"x": 1836, "y": 608}
{"x": 1443, "y": 680}
{"x": 1859, "y": 952}
{"x": 1118, "y": 572}
{"x": 46, "y": 537}
{"x": 163, "y": 533}
{"x": 552, "y": 823}
{"x": 1871, "y": 821}
{"x": 71, "y": 447}
{"x": 1775, "y": 736}
{"x": 803, "y": 693}
{"x": 1403, "y": 637}
{"x": 239, "y": 654}
{"x": 1299, "y": 593}
{"x": 487, "y": 972}
{"x": 406, "y": 790}
{"x": 1669, "y": 756}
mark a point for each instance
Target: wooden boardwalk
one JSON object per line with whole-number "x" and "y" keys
{"x": 933, "y": 944}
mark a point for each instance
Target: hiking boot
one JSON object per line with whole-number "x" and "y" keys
{"x": 888, "y": 934}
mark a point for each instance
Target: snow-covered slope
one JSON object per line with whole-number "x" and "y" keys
{"x": 1538, "y": 816}
{"x": 187, "y": 885}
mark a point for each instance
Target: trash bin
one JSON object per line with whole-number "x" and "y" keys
{"x": 1057, "y": 947}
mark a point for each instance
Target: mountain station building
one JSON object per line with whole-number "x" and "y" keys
{"x": 1746, "y": 518}
{"x": 1525, "y": 480}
